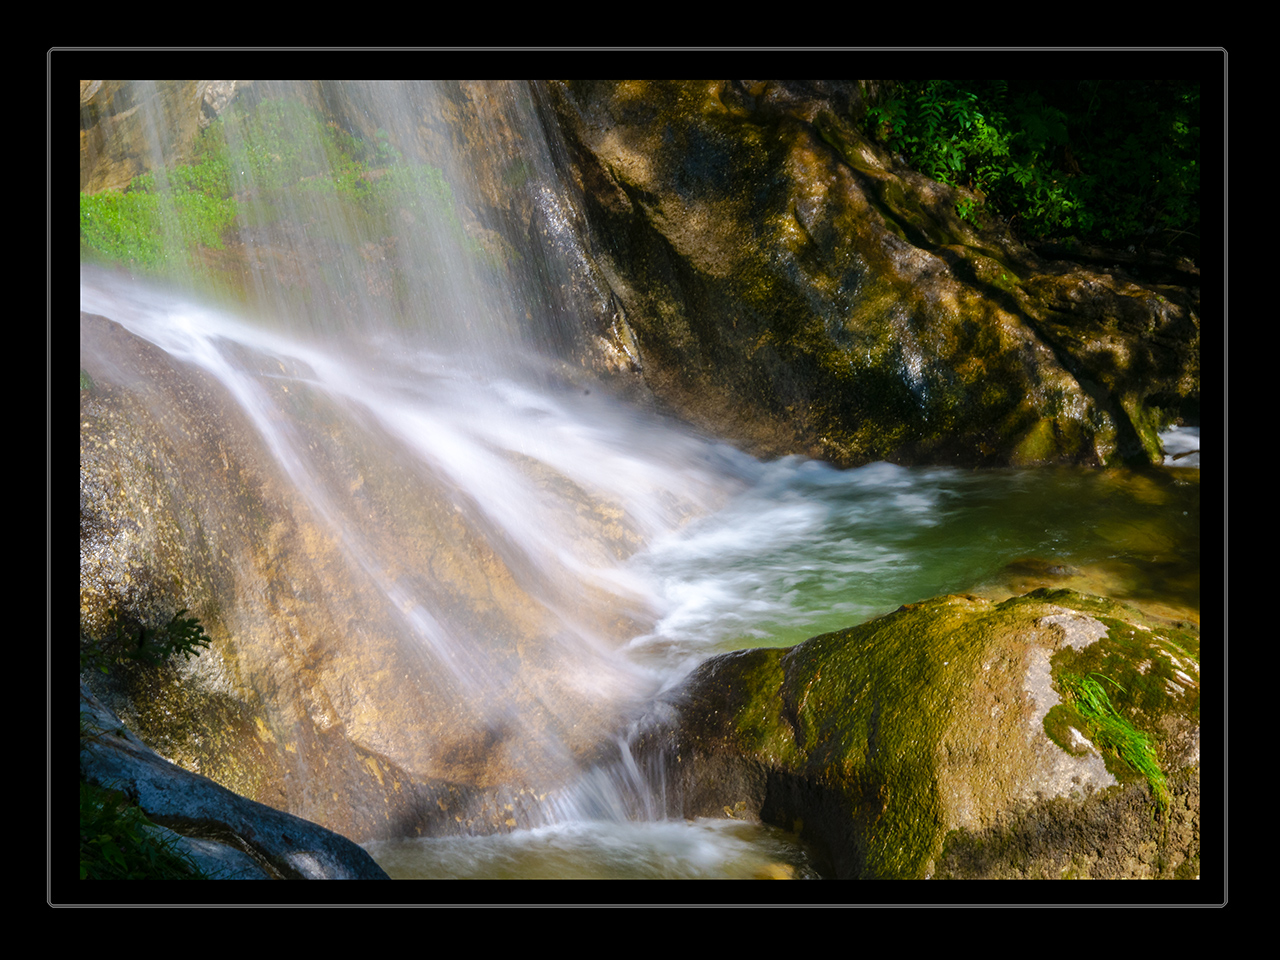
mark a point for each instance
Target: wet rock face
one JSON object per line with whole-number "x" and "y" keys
{"x": 917, "y": 744}
{"x": 778, "y": 278}
{"x": 313, "y": 697}
{"x": 790, "y": 286}
{"x": 130, "y": 127}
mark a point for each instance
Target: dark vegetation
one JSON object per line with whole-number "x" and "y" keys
{"x": 1114, "y": 163}
{"x": 151, "y": 645}
{"x": 117, "y": 841}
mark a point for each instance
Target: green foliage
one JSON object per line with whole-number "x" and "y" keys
{"x": 151, "y": 645}
{"x": 118, "y": 842}
{"x": 1110, "y": 731}
{"x": 148, "y": 227}
{"x": 415, "y": 185}
{"x": 1114, "y": 162}
{"x": 281, "y": 145}
{"x": 249, "y": 167}
{"x": 953, "y": 136}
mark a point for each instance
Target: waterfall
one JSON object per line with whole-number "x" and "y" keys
{"x": 413, "y": 365}
{"x": 385, "y": 440}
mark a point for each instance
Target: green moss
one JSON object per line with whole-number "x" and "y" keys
{"x": 247, "y": 170}
{"x": 757, "y": 717}
{"x": 1038, "y": 445}
{"x": 871, "y": 706}
{"x": 1147, "y": 423}
{"x": 1128, "y": 692}
{"x": 149, "y": 229}
{"x": 1154, "y": 670}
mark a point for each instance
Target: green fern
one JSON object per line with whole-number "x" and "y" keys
{"x": 1113, "y": 160}
{"x": 151, "y": 645}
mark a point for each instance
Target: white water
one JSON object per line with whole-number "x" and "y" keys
{"x": 1181, "y": 446}
{"x": 494, "y": 440}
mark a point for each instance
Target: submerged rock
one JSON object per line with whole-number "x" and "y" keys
{"x": 951, "y": 739}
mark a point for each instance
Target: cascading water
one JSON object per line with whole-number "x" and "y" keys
{"x": 459, "y": 495}
{"x": 477, "y": 533}
{"x": 559, "y": 487}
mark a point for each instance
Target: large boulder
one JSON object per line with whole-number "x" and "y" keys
{"x": 227, "y": 836}
{"x": 793, "y": 287}
{"x": 318, "y": 695}
{"x": 958, "y": 737}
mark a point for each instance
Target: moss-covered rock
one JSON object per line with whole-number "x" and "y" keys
{"x": 791, "y": 286}
{"x": 903, "y": 745}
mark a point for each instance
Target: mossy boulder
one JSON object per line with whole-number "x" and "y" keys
{"x": 927, "y": 742}
{"x": 792, "y": 286}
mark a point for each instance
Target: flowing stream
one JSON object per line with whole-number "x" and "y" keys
{"x": 645, "y": 546}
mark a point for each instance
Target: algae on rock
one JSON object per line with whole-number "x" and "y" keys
{"x": 793, "y": 287}
{"x": 880, "y": 741}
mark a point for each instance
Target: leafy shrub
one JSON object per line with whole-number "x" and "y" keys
{"x": 151, "y": 645}
{"x": 1115, "y": 162}
{"x": 950, "y": 135}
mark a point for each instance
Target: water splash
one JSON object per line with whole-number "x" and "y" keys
{"x": 558, "y": 487}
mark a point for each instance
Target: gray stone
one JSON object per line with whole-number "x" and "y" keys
{"x": 229, "y": 836}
